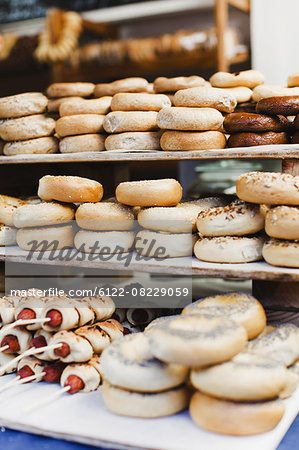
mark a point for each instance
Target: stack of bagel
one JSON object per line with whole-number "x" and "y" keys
{"x": 80, "y": 126}
{"x": 132, "y": 124}
{"x": 169, "y": 86}
{"x": 8, "y": 206}
{"x": 25, "y": 127}
{"x": 280, "y": 193}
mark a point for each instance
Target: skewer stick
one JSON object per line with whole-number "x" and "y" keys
{"x": 45, "y": 400}
{"x": 18, "y": 380}
{"x": 23, "y": 322}
{"x": 5, "y": 347}
{"x": 29, "y": 352}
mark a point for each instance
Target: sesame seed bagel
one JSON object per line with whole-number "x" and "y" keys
{"x": 139, "y": 102}
{"x": 196, "y": 341}
{"x": 176, "y": 219}
{"x": 45, "y": 238}
{"x": 79, "y": 124}
{"x": 247, "y": 78}
{"x": 281, "y": 344}
{"x": 247, "y": 139}
{"x": 229, "y": 249}
{"x": 269, "y": 188}
{"x": 206, "y": 97}
{"x": 104, "y": 242}
{"x": 134, "y": 140}
{"x": 29, "y": 127}
{"x": 244, "y": 309}
{"x": 254, "y": 123}
{"x": 163, "y": 84}
{"x": 133, "y": 84}
{"x": 83, "y": 106}
{"x": 286, "y": 105}
{"x": 159, "y": 244}
{"x": 70, "y": 89}
{"x": 164, "y": 192}
{"x": 282, "y": 222}
{"x": 237, "y": 419}
{"x": 236, "y": 219}
{"x": 22, "y": 105}
{"x": 145, "y": 405}
{"x": 189, "y": 119}
{"x": 105, "y": 216}
{"x": 128, "y": 363}
{"x": 69, "y": 189}
{"x": 247, "y": 377}
{"x": 42, "y": 214}
{"x": 267, "y": 90}
{"x": 82, "y": 143}
{"x": 8, "y": 235}
{"x": 188, "y": 140}
{"x": 8, "y": 205}
{"x": 281, "y": 253}
{"x": 43, "y": 145}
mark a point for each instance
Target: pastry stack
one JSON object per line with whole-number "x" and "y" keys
{"x": 280, "y": 192}
{"x": 132, "y": 124}
{"x": 81, "y": 120}
{"x": 227, "y": 234}
{"x": 48, "y": 226}
{"x": 58, "y": 93}
{"x": 26, "y": 128}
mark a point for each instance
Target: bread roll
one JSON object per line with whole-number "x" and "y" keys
{"x": 189, "y": 119}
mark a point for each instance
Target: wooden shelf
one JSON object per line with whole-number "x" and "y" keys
{"x": 259, "y": 152}
{"x": 172, "y": 266}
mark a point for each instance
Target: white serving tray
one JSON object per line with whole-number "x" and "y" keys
{"x": 83, "y": 418}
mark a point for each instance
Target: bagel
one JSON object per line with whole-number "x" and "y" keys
{"x": 128, "y": 363}
{"x": 42, "y": 214}
{"x": 254, "y": 123}
{"x": 120, "y": 121}
{"x": 83, "y": 106}
{"x": 235, "y": 219}
{"x": 69, "y": 189}
{"x": 43, "y": 145}
{"x": 248, "y": 107}
{"x": 54, "y": 103}
{"x": 241, "y": 93}
{"x": 145, "y": 405}
{"x": 281, "y": 253}
{"x": 244, "y": 309}
{"x": 196, "y": 341}
{"x": 206, "y": 97}
{"x": 45, "y": 238}
{"x": 105, "y": 216}
{"x": 79, "y": 124}
{"x": 22, "y": 105}
{"x": 281, "y": 344}
{"x": 133, "y": 84}
{"x": 247, "y": 78}
{"x": 134, "y": 140}
{"x": 189, "y": 119}
{"x": 8, "y": 235}
{"x": 282, "y": 222}
{"x": 164, "y": 192}
{"x": 188, "y": 140}
{"x": 252, "y": 139}
{"x": 104, "y": 242}
{"x": 268, "y": 90}
{"x": 293, "y": 80}
{"x": 155, "y": 244}
{"x": 269, "y": 188}
{"x": 82, "y": 143}
{"x": 70, "y": 89}
{"x": 247, "y": 377}
{"x": 237, "y": 419}
{"x": 229, "y": 249}
{"x": 29, "y": 127}
{"x": 139, "y": 102}
{"x": 8, "y": 205}
{"x": 287, "y": 106}
{"x": 163, "y": 84}
{"x": 176, "y": 219}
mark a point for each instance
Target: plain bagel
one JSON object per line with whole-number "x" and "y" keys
{"x": 163, "y": 84}
{"x": 83, "y": 106}
{"x": 164, "y": 192}
{"x": 267, "y": 90}
{"x": 22, "y": 105}
{"x": 79, "y": 124}
{"x": 235, "y": 219}
{"x": 82, "y": 143}
{"x": 8, "y": 205}
{"x": 281, "y": 253}
{"x": 42, "y": 214}
{"x": 189, "y": 119}
{"x": 54, "y": 103}
{"x": 206, "y": 97}
{"x": 45, "y": 238}
{"x": 8, "y": 235}
{"x": 29, "y": 127}
{"x": 120, "y": 121}
{"x": 247, "y": 78}
{"x": 43, "y": 145}
{"x": 241, "y": 93}
{"x": 134, "y": 140}
{"x": 70, "y": 89}
{"x": 268, "y": 188}
{"x": 235, "y": 418}
{"x": 104, "y": 242}
{"x": 282, "y": 222}
{"x": 293, "y": 80}
{"x": 158, "y": 244}
{"x": 133, "y": 84}
{"x": 69, "y": 189}
{"x": 105, "y": 216}
{"x": 139, "y": 102}
{"x": 187, "y": 140}
{"x": 229, "y": 249}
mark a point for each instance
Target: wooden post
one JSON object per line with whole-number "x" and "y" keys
{"x": 221, "y": 18}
